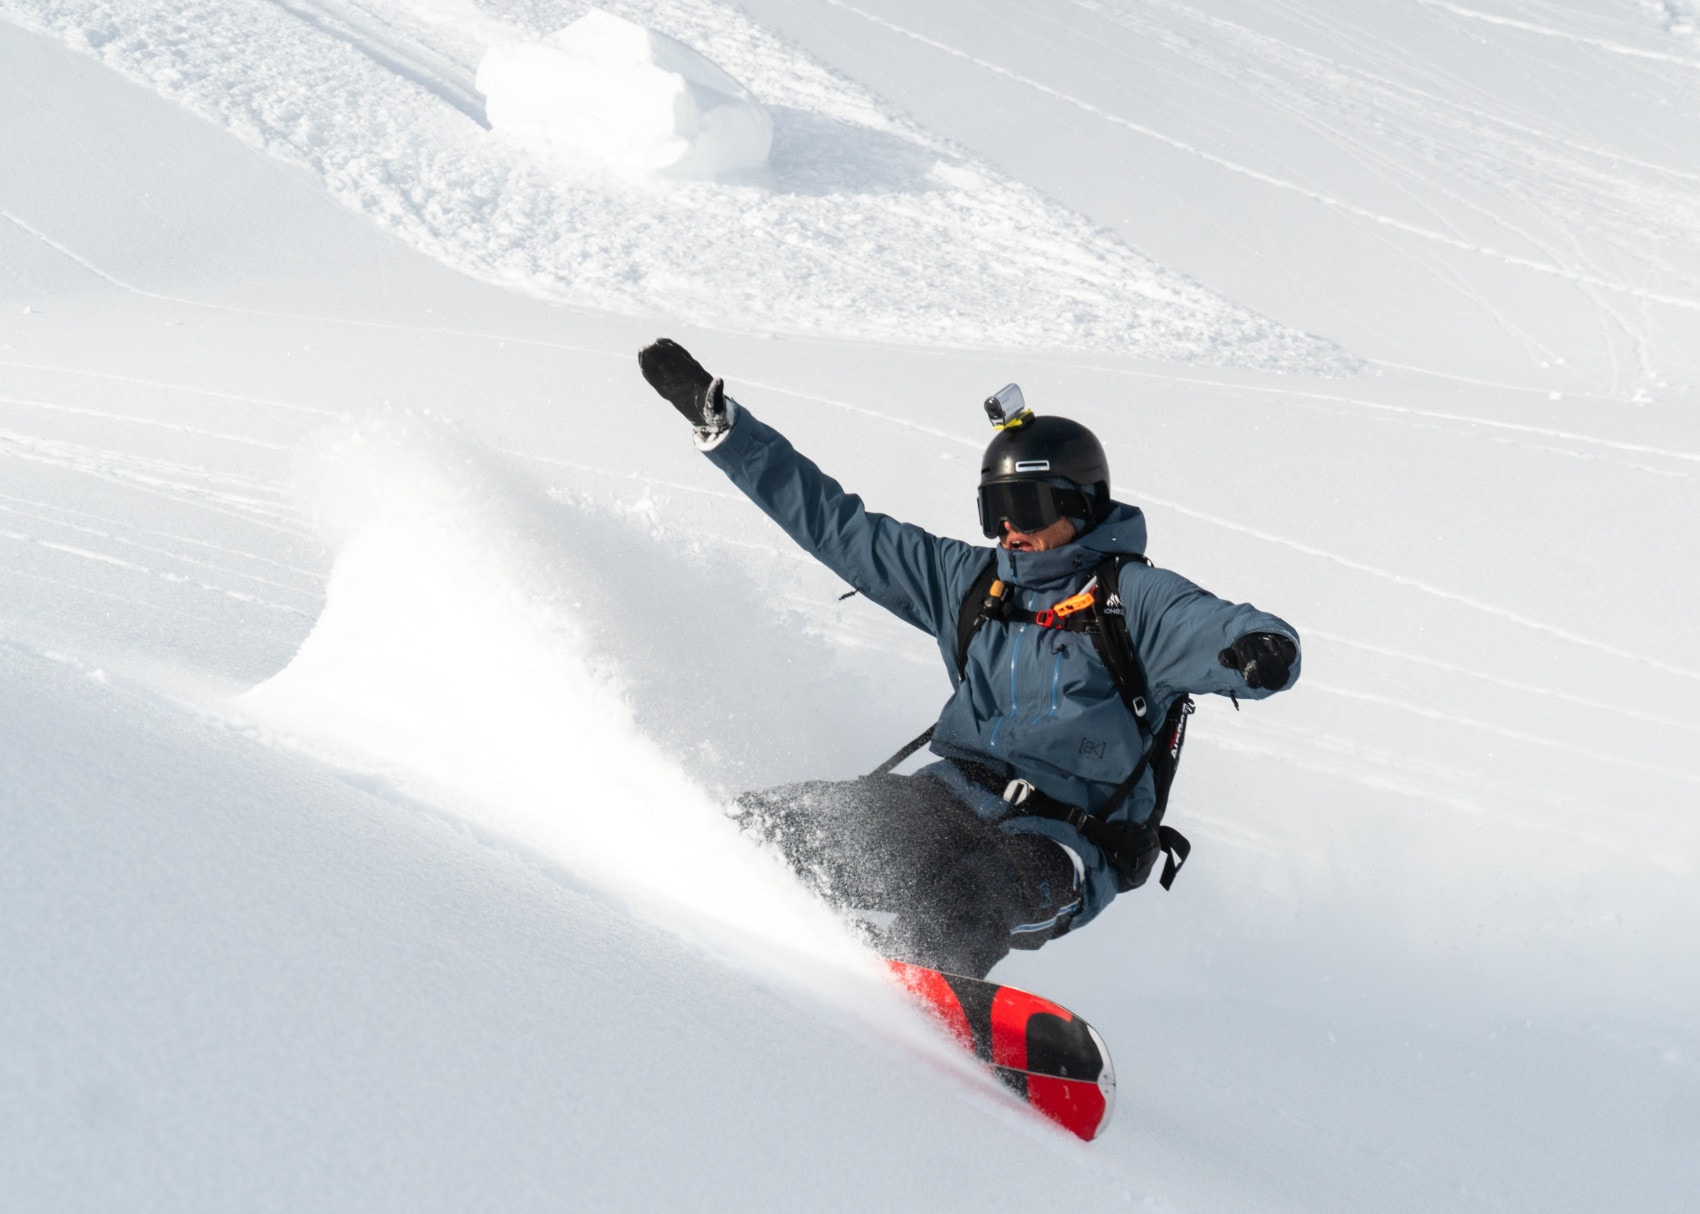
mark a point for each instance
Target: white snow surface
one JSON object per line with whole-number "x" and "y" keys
{"x": 868, "y": 227}
{"x": 609, "y": 91}
{"x": 378, "y": 654}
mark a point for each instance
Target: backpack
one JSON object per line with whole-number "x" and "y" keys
{"x": 1131, "y": 847}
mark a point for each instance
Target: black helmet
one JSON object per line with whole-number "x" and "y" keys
{"x": 1040, "y": 469}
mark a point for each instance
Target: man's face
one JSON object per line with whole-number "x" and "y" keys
{"x": 1054, "y": 536}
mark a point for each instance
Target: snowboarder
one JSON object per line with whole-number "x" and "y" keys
{"x": 1045, "y": 796}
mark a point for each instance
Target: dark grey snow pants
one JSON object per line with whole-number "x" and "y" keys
{"x": 906, "y": 846}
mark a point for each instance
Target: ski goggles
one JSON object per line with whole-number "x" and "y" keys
{"x": 1028, "y": 506}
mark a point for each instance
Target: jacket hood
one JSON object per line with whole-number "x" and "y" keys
{"x": 1123, "y": 530}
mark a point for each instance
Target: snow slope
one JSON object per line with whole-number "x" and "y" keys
{"x": 867, "y": 227}
{"x": 376, "y": 647}
{"x": 1502, "y": 190}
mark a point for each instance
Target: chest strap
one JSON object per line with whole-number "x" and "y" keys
{"x": 1101, "y": 621}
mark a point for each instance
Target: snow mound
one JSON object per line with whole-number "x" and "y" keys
{"x": 611, "y": 91}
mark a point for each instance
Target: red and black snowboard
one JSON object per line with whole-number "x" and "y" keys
{"x": 1052, "y": 1058}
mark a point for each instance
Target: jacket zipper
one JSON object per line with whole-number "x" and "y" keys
{"x": 1056, "y": 680}
{"x": 1014, "y": 701}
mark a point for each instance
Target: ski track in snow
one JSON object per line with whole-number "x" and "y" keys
{"x": 1471, "y": 421}
{"x": 112, "y": 537}
{"x": 1545, "y": 31}
{"x": 1645, "y": 215}
{"x": 82, "y": 588}
{"x": 867, "y": 228}
{"x": 1572, "y": 273}
{"x": 1464, "y": 672}
{"x": 139, "y": 382}
{"x": 162, "y": 575}
{"x": 1477, "y": 726}
{"x": 314, "y": 578}
{"x": 1464, "y": 789}
{"x": 1339, "y": 88}
{"x": 242, "y": 440}
{"x": 234, "y": 491}
{"x": 1439, "y": 592}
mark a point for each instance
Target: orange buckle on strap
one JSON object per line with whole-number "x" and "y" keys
{"x": 1061, "y": 611}
{"x": 1079, "y": 602}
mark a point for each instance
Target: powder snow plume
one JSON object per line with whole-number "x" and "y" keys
{"x": 448, "y": 664}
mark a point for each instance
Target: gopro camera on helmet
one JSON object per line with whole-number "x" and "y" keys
{"x": 1007, "y": 407}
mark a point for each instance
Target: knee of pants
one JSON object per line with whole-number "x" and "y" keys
{"x": 977, "y": 892}
{"x": 1046, "y": 873}
{"x": 963, "y": 920}
{"x": 959, "y": 939}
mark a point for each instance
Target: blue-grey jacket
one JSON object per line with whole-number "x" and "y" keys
{"x": 1034, "y": 702}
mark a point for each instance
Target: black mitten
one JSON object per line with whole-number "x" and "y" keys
{"x": 683, "y": 383}
{"x": 1264, "y": 659}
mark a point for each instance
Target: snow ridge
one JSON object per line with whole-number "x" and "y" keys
{"x": 863, "y": 226}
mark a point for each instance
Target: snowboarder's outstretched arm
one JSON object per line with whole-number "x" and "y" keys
{"x": 920, "y": 577}
{"x": 1192, "y": 642}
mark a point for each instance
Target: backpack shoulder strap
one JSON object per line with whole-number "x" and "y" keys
{"x": 1115, "y": 645}
{"x": 978, "y": 605}
{"x": 1163, "y": 751}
